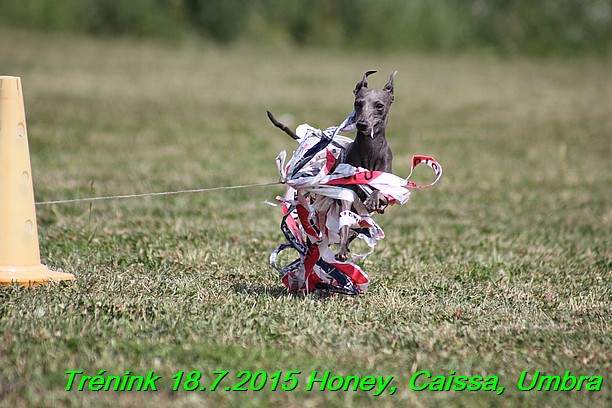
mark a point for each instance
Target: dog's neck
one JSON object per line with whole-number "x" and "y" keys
{"x": 366, "y": 139}
{"x": 370, "y": 146}
{"x": 367, "y": 151}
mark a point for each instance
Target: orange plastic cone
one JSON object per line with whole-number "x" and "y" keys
{"x": 19, "y": 249}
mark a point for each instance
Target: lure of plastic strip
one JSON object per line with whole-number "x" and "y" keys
{"x": 311, "y": 210}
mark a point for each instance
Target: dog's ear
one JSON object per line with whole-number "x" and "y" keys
{"x": 364, "y": 82}
{"x": 389, "y": 85}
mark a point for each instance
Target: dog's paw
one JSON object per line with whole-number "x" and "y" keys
{"x": 376, "y": 202}
{"x": 342, "y": 255}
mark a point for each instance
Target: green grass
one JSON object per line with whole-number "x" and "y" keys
{"x": 504, "y": 266}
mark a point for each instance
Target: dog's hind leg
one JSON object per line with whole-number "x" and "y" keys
{"x": 345, "y": 235}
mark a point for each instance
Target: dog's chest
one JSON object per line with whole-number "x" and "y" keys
{"x": 374, "y": 155}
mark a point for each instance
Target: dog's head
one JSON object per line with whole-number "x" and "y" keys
{"x": 372, "y": 105}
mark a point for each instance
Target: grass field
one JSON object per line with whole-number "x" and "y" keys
{"x": 504, "y": 266}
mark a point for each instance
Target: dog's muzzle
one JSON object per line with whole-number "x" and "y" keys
{"x": 363, "y": 128}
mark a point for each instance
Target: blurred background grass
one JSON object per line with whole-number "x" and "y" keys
{"x": 543, "y": 27}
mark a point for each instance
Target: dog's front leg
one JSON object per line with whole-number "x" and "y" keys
{"x": 376, "y": 202}
{"x": 345, "y": 234}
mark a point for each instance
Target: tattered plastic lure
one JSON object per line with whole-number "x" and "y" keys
{"x": 311, "y": 210}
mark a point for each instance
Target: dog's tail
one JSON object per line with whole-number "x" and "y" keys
{"x": 282, "y": 127}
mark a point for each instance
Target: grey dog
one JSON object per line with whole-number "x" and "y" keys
{"x": 369, "y": 150}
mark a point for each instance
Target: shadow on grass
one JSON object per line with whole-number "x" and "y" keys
{"x": 277, "y": 292}
{"x": 257, "y": 289}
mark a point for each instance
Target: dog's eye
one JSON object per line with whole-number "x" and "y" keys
{"x": 358, "y": 104}
{"x": 380, "y": 106}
